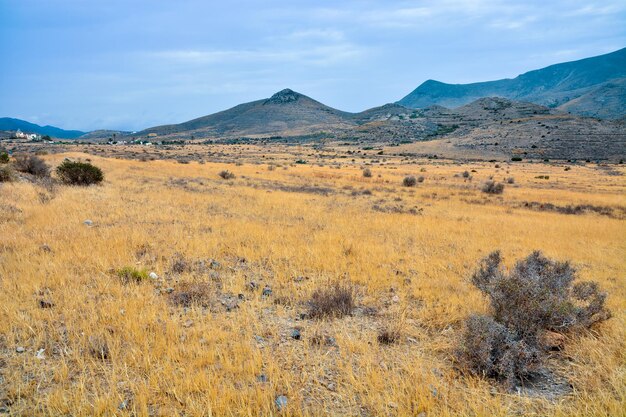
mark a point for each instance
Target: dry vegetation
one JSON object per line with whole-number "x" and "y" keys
{"x": 297, "y": 289}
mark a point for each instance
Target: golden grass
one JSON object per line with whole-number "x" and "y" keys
{"x": 413, "y": 269}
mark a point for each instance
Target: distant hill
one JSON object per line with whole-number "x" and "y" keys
{"x": 285, "y": 111}
{"x": 103, "y": 134}
{"x": 558, "y": 85}
{"x": 10, "y": 124}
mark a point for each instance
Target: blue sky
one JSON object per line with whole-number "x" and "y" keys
{"x": 130, "y": 64}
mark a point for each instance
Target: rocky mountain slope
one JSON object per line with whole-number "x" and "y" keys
{"x": 558, "y": 85}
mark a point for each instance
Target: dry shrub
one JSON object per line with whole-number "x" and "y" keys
{"x": 409, "y": 181}
{"x": 492, "y": 187}
{"x": 388, "y": 336}
{"x": 367, "y": 173}
{"x": 537, "y": 296}
{"x": 192, "y": 293}
{"x": 32, "y": 164}
{"x": 99, "y": 348}
{"x": 227, "y": 175}
{"x": 333, "y": 302}
{"x": 6, "y": 173}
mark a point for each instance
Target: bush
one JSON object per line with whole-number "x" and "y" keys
{"x": 333, "y": 302}
{"x": 4, "y": 157}
{"x": 367, "y": 173}
{"x": 537, "y": 296}
{"x": 192, "y": 293}
{"x": 516, "y": 159}
{"x": 409, "y": 181}
{"x": 32, "y": 164}
{"x": 466, "y": 174}
{"x": 420, "y": 179}
{"x": 79, "y": 173}
{"x": 227, "y": 175}
{"x": 128, "y": 274}
{"x": 491, "y": 350}
{"x": 510, "y": 180}
{"x": 492, "y": 187}
{"x": 6, "y": 173}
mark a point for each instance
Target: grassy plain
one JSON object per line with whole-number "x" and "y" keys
{"x": 409, "y": 252}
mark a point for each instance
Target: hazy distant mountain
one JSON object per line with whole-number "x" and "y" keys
{"x": 103, "y": 134}
{"x": 10, "y": 124}
{"x": 554, "y": 86}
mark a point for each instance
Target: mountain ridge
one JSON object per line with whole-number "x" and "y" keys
{"x": 553, "y": 86}
{"x": 13, "y": 124}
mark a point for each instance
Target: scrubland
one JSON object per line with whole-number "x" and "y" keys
{"x": 112, "y": 346}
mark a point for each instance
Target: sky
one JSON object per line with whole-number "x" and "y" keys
{"x": 132, "y": 64}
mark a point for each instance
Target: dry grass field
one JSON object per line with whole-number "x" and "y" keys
{"x": 207, "y": 337}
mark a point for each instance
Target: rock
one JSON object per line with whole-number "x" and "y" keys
{"x": 88, "y": 222}
{"x": 214, "y": 264}
{"x": 153, "y": 275}
{"x": 241, "y": 296}
{"x": 123, "y": 405}
{"x": 188, "y": 323}
{"x": 230, "y": 302}
{"x": 259, "y": 339}
{"x": 395, "y": 299}
{"x": 45, "y": 248}
{"x": 295, "y": 334}
{"x": 169, "y": 290}
{"x": 39, "y": 355}
{"x": 281, "y": 402}
{"x": 20, "y": 349}
{"x": 45, "y": 304}
{"x": 267, "y": 291}
{"x": 262, "y": 378}
{"x": 252, "y": 285}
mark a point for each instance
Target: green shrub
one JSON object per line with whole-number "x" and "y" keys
{"x": 79, "y": 173}
{"x": 129, "y": 274}
{"x": 4, "y": 158}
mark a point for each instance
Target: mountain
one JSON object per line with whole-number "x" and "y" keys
{"x": 607, "y": 101}
{"x": 285, "y": 111}
{"x": 9, "y": 124}
{"x": 554, "y": 86}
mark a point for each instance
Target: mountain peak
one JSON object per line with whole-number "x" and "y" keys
{"x": 284, "y": 96}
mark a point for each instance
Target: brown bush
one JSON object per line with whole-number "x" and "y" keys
{"x": 227, "y": 175}
{"x": 32, "y": 164}
{"x": 189, "y": 293}
{"x": 6, "y": 173}
{"x": 492, "y": 187}
{"x": 333, "y": 302}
